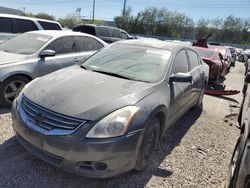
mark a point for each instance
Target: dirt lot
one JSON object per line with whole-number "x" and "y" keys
{"x": 195, "y": 152}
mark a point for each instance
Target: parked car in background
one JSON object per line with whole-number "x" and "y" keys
{"x": 239, "y": 168}
{"x": 233, "y": 53}
{"x": 106, "y": 33}
{"x": 217, "y": 67}
{"x": 106, "y": 118}
{"x": 37, "y": 53}
{"x": 244, "y": 55}
{"x": 13, "y": 25}
{"x": 238, "y": 51}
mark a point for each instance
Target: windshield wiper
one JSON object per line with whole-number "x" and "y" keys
{"x": 84, "y": 67}
{"x": 113, "y": 74}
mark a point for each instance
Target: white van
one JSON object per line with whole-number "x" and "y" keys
{"x": 13, "y": 25}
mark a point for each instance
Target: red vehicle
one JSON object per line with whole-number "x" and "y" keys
{"x": 217, "y": 67}
{"x": 226, "y": 54}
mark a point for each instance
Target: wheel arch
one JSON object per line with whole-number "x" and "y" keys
{"x": 160, "y": 113}
{"x": 23, "y": 74}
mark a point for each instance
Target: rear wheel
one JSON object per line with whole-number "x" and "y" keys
{"x": 11, "y": 88}
{"x": 234, "y": 165}
{"x": 148, "y": 145}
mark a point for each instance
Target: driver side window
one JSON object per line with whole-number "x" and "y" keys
{"x": 180, "y": 63}
{"x": 63, "y": 45}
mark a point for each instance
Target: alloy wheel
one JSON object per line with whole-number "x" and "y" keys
{"x": 13, "y": 89}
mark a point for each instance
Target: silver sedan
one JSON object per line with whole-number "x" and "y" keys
{"x": 37, "y": 53}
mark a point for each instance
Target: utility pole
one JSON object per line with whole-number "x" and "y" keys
{"x": 124, "y": 8}
{"x": 93, "y": 17}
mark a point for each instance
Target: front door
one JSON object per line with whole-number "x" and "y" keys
{"x": 180, "y": 92}
{"x": 66, "y": 55}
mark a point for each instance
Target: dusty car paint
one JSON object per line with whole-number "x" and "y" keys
{"x": 90, "y": 97}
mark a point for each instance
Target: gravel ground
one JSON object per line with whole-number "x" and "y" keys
{"x": 194, "y": 153}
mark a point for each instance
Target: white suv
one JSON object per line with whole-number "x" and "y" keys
{"x": 12, "y": 25}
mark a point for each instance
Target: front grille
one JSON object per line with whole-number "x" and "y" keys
{"x": 47, "y": 119}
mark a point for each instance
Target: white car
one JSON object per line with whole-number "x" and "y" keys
{"x": 13, "y": 25}
{"x": 34, "y": 54}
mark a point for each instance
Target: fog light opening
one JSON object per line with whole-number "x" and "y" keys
{"x": 99, "y": 166}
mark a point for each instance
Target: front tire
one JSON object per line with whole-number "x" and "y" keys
{"x": 11, "y": 88}
{"x": 234, "y": 165}
{"x": 148, "y": 145}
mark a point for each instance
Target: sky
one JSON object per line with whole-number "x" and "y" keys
{"x": 108, "y": 9}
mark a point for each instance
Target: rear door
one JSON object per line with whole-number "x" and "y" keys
{"x": 104, "y": 33}
{"x": 198, "y": 74}
{"x": 86, "y": 46}
{"x": 66, "y": 54}
{"x": 180, "y": 92}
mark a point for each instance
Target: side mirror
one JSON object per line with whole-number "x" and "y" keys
{"x": 47, "y": 53}
{"x": 248, "y": 77}
{"x": 181, "y": 77}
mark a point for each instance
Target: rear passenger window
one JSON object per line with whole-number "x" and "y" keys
{"x": 63, "y": 45}
{"x": 25, "y": 25}
{"x": 88, "y": 44}
{"x": 5, "y": 25}
{"x": 180, "y": 63}
{"x": 115, "y": 33}
{"x": 49, "y": 25}
{"x": 194, "y": 61}
{"x": 103, "y": 31}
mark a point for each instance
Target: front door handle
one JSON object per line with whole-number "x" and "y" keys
{"x": 76, "y": 60}
{"x": 191, "y": 83}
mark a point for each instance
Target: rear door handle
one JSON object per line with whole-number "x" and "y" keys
{"x": 191, "y": 83}
{"x": 76, "y": 60}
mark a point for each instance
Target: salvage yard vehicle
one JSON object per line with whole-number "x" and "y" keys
{"x": 37, "y": 53}
{"x": 107, "y": 117}
{"x": 226, "y": 54}
{"x": 217, "y": 67}
{"x": 106, "y": 33}
{"x": 13, "y": 25}
{"x": 244, "y": 55}
{"x": 233, "y": 53}
{"x": 239, "y": 168}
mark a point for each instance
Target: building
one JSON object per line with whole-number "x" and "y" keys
{"x": 6, "y": 10}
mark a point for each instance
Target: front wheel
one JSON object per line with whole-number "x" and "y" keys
{"x": 11, "y": 88}
{"x": 234, "y": 165}
{"x": 148, "y": 145}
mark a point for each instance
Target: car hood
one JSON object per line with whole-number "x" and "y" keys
{"x": 85, "y": 94}
{"x": 6, "y": 58}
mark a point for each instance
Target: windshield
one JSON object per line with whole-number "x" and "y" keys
{"x": 134, "y": 62}
{"x": 204, "y": 53}
{"x": 25, "y": 44}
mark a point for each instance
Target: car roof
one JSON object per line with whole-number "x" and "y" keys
{"x": 154, "y": 43}
{"x": 95, "y": 25}
{"x": 59, "y": 33}
{"x": 205, "y": 49}
{"x": 25, "y": 17}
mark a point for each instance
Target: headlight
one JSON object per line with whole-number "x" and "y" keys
{"x": 114, "y": 124}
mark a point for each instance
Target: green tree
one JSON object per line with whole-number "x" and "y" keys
{"x": 45, "y": 16}
{"x": 69, "y": 21}
{"x": 41, "y": 15}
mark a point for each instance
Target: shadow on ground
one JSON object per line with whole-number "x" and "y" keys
{"x": 4, "y": 110}
{"x": 18, "y": 168}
